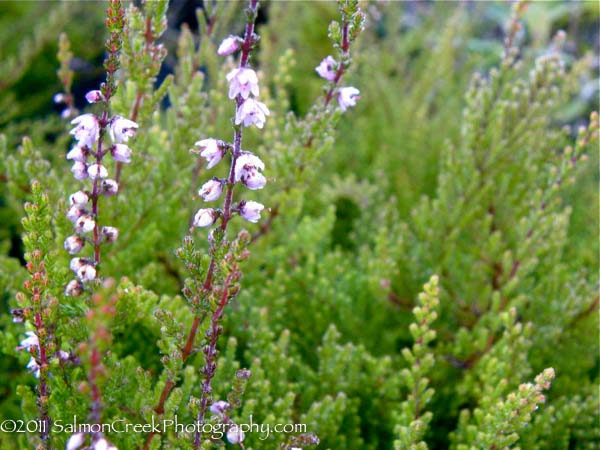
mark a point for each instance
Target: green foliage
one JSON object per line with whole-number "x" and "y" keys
{"x": 468, "y": 155}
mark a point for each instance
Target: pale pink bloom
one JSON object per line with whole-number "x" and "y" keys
{"x": 86, "y": 273}
{"x": 242, "y": 81}
{"x": 97, "y": 171}
{"x": 74, "y": 288}
{"x": 59, "y": 98}
{"x": 219, "y": 407}
{"x": 211, "y": 150}
{"x": 34, "y": 367}
{"x": 79, "y": 198}
{"x": 347, "y": 97}
{"x": 109, "y": 187}
{"x": 75, "y": 212}
{"x": 76, "y": 263}
{"x": 122, "y": 153}
{"x": 87, "y": 130}
{"x": 79, "y": 170}
{"x": 327, "y": 68}
{"x": 31, "y": 341}
{"x": 250, "y": 210}
{"x": 74, "y": 244}
{"x": 85, "y": 224}
{"x": 67, "y": 112}
{"x": 211, "y": 190}
{"x": 110, "y": 233}
{"x": 101, "y": 444}
{"x": 204, "y": 218}
{"x": 247, "y": 168}
{"x": 122, "y": 129}
{"x": 78, "y": 153}
{"x": 235, "y": 435}
{"x": 251, "y": 112}
{"x": 75, "y": 441}
{"x": 62, "y": 355}
{"x": 230, "y": 44}
{"x": 94, "y": 96}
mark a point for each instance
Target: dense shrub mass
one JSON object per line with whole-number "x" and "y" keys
{"x": 418, "y": 264}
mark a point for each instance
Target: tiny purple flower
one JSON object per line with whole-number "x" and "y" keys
{"x": 347, "y": 97}
{"x": 110, "y": 233}
{"x": 250, "y": 210}
{"x": 211, "y": 150}
{"x": 79, "y": 198}
{"x": 204, "y": 218}
{"x": 87, "y": 130}
{"x": 34, "y": 367}
{"x": 74, "y": 288}
{"x": 211, "y": 190}
{"x": 247, "y": 169}
{"x": 94, "y": 96}
{"x": 31, "y": 341}
{"x": 86, "y": 273}
{"x": 251, "y": 112}
{"x": 75, "y": 212}
{"x": 122, "y": 129}
{"x": 97, "y": 171}
{"x": 74, "y": 244}
{"x": 235, "y": 435}
{"x": 109, "y": 187}
{"x": 242, "y": 81}
{"x": 85, "y": 224}
{"x": 121, "y": 153}
{"x": 230, "y": 44}
{"x": 78, "y": 153}
{"x": 219, "y": 407}
{"x": 327, "y": 68}
{"x": 79, "y": 170}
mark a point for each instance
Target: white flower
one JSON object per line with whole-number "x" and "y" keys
{"x": 122, "y": 153}
{"x": 97, "y": 171}
{"x": 235, "y": 435}
{"x": 211, "y": 150}
{"x": 204, "y": 218}
{"x": 87, "y": 272}
{"x": 247, "y": 168}
{"x": 230, "y": 44}
{"x": 219, "y": 407}
{"x": 110, "y": 233}
{"x": 327, "y": 68}
{"x": 31, "y": 341}
{"x": 211, "y": 190}
{"x": 75, "y": 441}
{"x": 85, "y": 224}
{"x": 100, "y": 444}
{"x": 76, "y": 263}
{"x": 59, "y": 97}
{"x": 251, "y": 112}
{"x": 242, "y": 81}
{"x": 94, "y": 96}
{"x": 87, "y": 130}
{"x": 74, "y": 288}
{"x": 79, "y": 198}
{"x": 122, "y": 129}
{"x": 74, "y": 244}
{"x": 347, "y": 97}
{"x": 78, "y": 153}
{"x": 250, "y": 210}
{"x": 109, "y": 187}
{"x": 75, "y": 212}
{"x": 34, "y": 367}
{"x": 79, "y": 170}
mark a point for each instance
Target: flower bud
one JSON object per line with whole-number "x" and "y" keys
{"x": 204, "y": 218}
{"x": 250, "y": 210}
{"x": 219, "y": 407}
{"x": 211, "y": 190}
{"x": 79, "y": 170}
{"x": 97, "y": 171}
{"x": 75, "y": 212}
{"x": 85, "y": 224}
{"x": 74, "y": 244}
{"x": 121, "y": 153}
{"x": 86, "y": 273}
{"x": 109, "y": 187}
{"x": 79, "y": 198}
{"x": 78, "y": 153}
{"x": 110, "y": 234}
{"x": 230, "y": 44}
{"x": 94, "y": 96}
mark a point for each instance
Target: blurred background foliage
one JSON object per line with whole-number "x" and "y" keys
{"x": 413, "y": 66}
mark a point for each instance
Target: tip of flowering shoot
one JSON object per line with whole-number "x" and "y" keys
{"x": 347, "y": 97}
{"x": 230, "y": 44}
{"x": 251, "y": 112}
{"x": 242, "y": 81}
{"x": 250, "y": 210}
{"x": 327, "y": 68}
{"x": 204, "y": 218}
{"x": 122, "y": 129}
{"x": 94, "y": 96}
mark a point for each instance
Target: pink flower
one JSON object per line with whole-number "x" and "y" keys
{"x": 122, "y": 129}
{"x": 230, "y": 44}
{"x": 219, "y": 407}
{"x": 78, "y": 153}
{"x": 74, "y": 288}
{"x": 122, "y": 153}
{"x": 109, "y": 187}
{"x": 79, "y": 198}
{"x": 251, "y": 112}
{"x": 87, "y": 130}
{"x": 85, "y": 224}
{"x": 204, "y": 218}
{"x": 79, "y": 170}
{"x": 110, "y": 233}
{"x": 211, "y": 150}
{"x": 75, "y": 212}
{"x": 94, "y": 96}
{"x": 235, "y": 435}
{"x": 97, "y": 171}
{"x": 327, "y": 68}
{"x": 86, "y": 273}
{"x": 211, "y": 190}
{"x": 242, "y": 81}
{"x": 31, "y": 341}
{"x": 250, "y": 210}
{"x": 347, "y": 97}
{"x": 74, "y": 244}
{"x": 247, "y": 168}
{"x": 34, "y": 367}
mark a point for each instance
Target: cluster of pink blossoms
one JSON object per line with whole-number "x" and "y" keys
{"x": 88, "y": 133}
{"x": 243, "y": 87}
{"x": 347, "y": 96}
{"x": 31, "y": 344}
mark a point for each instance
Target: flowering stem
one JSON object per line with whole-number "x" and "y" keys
{"x": 43, "y": 388}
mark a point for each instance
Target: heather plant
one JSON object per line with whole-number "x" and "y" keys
{"x": 353, "y": 225}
